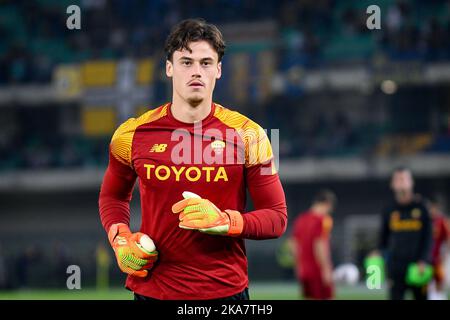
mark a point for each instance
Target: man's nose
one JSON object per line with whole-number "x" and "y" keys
{"x": 196, "y": 70}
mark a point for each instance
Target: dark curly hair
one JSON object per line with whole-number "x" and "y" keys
{"x": 192, "y": 30}
{"x": 325, "y": 195}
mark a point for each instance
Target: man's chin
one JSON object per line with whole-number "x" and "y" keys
{"x": 195, "y": 101}
{"x": 403, "y": 195}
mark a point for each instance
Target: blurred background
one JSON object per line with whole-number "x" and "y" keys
{"x": 351, "y": 104}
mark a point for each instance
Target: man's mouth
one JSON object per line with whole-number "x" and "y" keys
{"x": 196, "y": 84}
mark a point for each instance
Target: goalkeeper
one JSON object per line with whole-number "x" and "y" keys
{"x": 194, "y": 160}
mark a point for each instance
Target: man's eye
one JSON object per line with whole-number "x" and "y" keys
{"x": 206, "y": 63}
{"x": 186, "y": 63}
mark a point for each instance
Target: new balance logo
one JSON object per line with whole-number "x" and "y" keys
{"x": 158, "y": 147}
{"x": 121, "y": 240}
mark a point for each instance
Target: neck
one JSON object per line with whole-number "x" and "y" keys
{"x": 404, "y": 197}
{"x": 185, "y": 112}
{"x": 319, "y": 209}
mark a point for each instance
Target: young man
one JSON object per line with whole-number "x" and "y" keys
{"x": 191, "y": 144}
{"x": 405, "y": 235}
{"x": 441, "y": 235}
{"x": 310, "y": 243}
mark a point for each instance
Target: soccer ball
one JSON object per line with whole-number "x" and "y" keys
{"x": 347, "y": 274}
{"x": 146, "y": 244}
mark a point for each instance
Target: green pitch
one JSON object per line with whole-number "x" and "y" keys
{"x": 258, "y": 291}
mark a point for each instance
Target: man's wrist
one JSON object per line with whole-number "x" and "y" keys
{"x": 236, "y": 222}
{"x": 116, "y": 229}
{"x": 327, "y": 268}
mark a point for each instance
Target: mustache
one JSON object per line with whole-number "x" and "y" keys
{"x": 196, "y": 81}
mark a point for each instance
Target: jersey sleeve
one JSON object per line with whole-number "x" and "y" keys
{"x": 121, "y": 142}
{"x": 326, "y": 226}
{"x": 269, "y": 219}
{"x": 258, "y": 150}
{"x": 446, "y": 227}
{"x": 119, "y": 179}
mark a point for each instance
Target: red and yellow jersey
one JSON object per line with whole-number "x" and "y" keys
{"x": 308, "y": 228}
{"x": 441, "y": 233}
{"x": 219, "y": 161}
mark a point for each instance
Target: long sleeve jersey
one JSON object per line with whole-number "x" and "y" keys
{"x": 219, "y": 158}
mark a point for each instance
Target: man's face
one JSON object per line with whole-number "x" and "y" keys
{"x": 194, "y": 74}
{"x": 329, "y": 208}
{"x": 402, "y": 182}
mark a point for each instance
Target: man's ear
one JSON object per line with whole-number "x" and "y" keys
{"x": 219, "y": 70}
{"x": 169, "y": 68}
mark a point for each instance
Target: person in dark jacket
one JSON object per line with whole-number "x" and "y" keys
{"x": 406, "y": 235}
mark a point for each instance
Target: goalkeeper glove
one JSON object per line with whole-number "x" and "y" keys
{"x": 131, "y": 257}
{"x": 202, "y": 215}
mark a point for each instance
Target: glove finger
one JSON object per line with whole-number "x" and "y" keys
{"x": 140, "y": 273}
{"x": 134, "y": 264}
{"x": 138, "y": 252}
{"x": 223, "y": 229}
{"x": 149, "y": 265}
{"x": 141, "y": 263}
{"x": 129, "y": 268}
{"x": 188, "y": 211}
{"x": 196, "y": 215}
{"x": 143, "y": 256}
{"x": 152, "y": 257}
{"x": 185, "y": 227}
{"x": 208, "y": 219}
{"x": 205, "y": 207}
{"x": 130, "y": 259}
{"x": 195, "y": 224}
{"x": 180, "y": 205}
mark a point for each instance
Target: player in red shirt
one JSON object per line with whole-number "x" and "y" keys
{"x": 191, "y": 144}
{"x": 310, "y": 242}
{"x": 441, "y": 235}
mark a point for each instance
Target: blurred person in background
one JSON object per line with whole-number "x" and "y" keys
{"x": 310, "y": 244}
{"x": 61, "y": 260}
{"x": 405, "y": 236}
{"x": 441, "y": 235}
{"x": 26, "y": 263}
{"x": 103, "y": 262}
{"x": 285, "y": 259}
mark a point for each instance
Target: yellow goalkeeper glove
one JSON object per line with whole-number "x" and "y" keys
{"x": 200, "y": 214}
{"x": 132, "y": 257}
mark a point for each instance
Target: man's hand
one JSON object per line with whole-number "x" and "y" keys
{"x": 374, "y": 253}
{"x": 421, "y": 265}
{"x": 200, "y": 214}
{"x": 131, "y": 257}
{"x": 327, "y": 276}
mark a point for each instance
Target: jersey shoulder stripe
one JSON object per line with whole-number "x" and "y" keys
{"x": 327, "y": 224}
{"x": 122, "y": 139}
{"x": 258, "y": 149}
